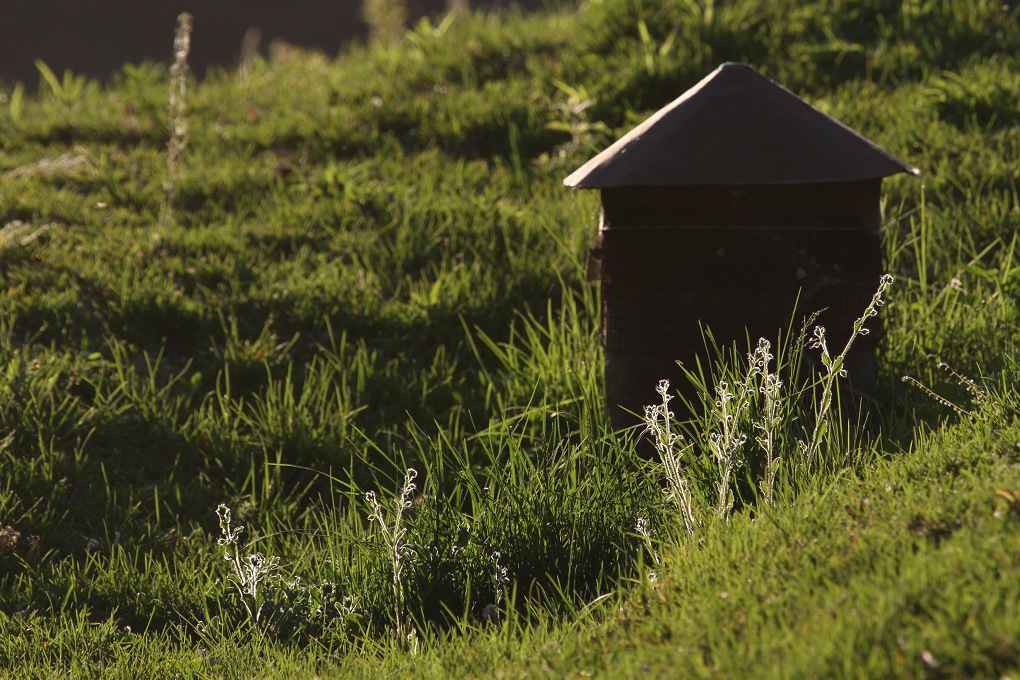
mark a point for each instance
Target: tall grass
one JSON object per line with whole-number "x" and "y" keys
{"x": 710, "y": 449}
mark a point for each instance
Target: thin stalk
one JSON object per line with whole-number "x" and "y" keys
{"x": 834, "y": 369}
{"x": 177, "y": 123}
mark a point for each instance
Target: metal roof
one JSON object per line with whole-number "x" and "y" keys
{"x": 737, "y": 127}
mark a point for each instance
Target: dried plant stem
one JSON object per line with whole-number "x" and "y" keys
{"x": 386, "y": 19}
{"x": 770, "y": 389}
{"x": 834, "y": 369}
{"x": 253, "y": 575}
{"x": 642, "y": 528}
{"x": 671, "y": 449}
{"x": 727, "y": 442}
{"x": 176, "y": 120}
{"x": 978, "y": 396}
{"x": 395, "y": 536}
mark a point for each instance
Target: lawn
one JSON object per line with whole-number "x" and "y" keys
{"x": 341, "y": 303}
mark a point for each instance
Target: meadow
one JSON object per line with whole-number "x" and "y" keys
{"x": 341, "y": 303}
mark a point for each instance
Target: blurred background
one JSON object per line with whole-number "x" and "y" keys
{"x": 96, "y": 37}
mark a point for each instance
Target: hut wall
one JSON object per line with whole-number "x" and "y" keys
{"x": 739, "y": 261}
{"x": 853, "y": 205}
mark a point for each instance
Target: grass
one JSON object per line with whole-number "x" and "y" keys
{"x": 372, "y": 266}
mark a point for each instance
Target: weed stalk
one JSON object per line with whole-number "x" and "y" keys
{"x": 386, "y": 19}
{"x": 646, "y": 534}
{"x": 834, "y": 369}
{"x": 177, "y": 123}
{"x": 659, "y": 421}
{"x": 500, "y": 581}
{"x": 395, "y": 536}
{"x": 253, "y": 573}
{"x": 771, "y": 387}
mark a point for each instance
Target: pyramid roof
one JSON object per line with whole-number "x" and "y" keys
{"x": 737, "y": 127}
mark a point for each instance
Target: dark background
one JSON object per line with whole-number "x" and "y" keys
{"x": 96, "y": 37}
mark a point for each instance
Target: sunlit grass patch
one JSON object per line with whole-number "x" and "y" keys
{"x": 373, "y": 266}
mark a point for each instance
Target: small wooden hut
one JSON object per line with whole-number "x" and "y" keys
{"x": 726, "y": 209}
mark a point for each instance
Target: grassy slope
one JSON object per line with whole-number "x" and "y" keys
{"x": 375, "y": 254}
{"x": 910, "y": 570}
